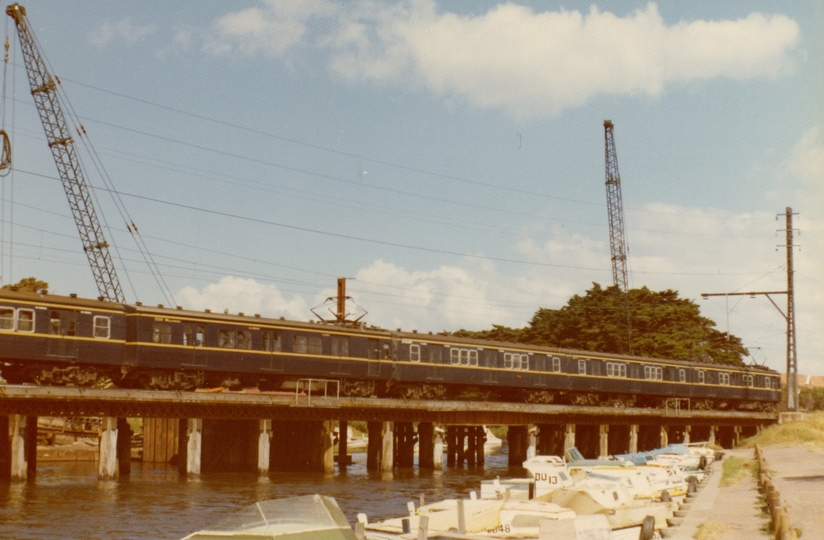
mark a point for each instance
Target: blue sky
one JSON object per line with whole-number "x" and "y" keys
{"x": 448, "y": 156}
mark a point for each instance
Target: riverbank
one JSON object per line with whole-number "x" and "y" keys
{"x": 736, "y": 510}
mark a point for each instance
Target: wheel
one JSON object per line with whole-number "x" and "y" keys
{"x": 647, "y": 529}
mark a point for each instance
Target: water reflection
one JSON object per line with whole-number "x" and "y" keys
{"x": 67, "y": 500}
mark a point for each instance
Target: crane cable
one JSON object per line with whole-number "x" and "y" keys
{"x": 5, "y": 154}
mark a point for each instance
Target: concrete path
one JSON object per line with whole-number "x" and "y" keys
{"x": 726, "y": 513}
{"x": 735, "y": 512}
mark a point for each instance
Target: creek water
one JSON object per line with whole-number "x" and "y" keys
{"x": 67, "y": 501}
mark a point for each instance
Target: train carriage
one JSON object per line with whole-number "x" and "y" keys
{"x": 50, "y": 339}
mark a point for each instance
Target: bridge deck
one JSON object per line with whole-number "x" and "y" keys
{"x": 66, "y": 401}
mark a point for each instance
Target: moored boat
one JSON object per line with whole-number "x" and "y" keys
{"x": 310, "y": 517}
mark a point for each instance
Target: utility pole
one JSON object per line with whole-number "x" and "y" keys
{"x": 792, "y": 359}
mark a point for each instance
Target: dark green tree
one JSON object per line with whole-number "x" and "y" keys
{"x": 660, "y": 325}
{"x": 29, "y": 284}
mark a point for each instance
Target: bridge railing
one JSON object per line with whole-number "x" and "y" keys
{"x": 318, "y": 385}
{"x": 674, "y": 406}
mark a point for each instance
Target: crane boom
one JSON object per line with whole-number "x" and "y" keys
{"x": 615, "y": 209}
{"x": 58, "y": 135}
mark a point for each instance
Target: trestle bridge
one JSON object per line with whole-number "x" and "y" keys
{"x": 239, "y": 431}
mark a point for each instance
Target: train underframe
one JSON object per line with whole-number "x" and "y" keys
{"x": 105, "y": 376}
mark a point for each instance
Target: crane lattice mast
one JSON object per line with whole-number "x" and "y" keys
{"x": 44, "y": 91}
{"x": 615, "y": 209}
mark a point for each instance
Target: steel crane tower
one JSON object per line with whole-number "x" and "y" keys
{"x": 58, "y": 135}
{"x": 615, "y": 209}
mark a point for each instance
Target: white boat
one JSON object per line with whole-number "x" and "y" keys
{"x": 612, "y": 499}
{"x": 296, "y": 518}
{"x": 481, "y": 518}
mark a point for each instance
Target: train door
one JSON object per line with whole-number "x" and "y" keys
{"x": 541, "y": 368}
{"x": 339, "y": 346}
{"x": 273, "y": 360}
{"x": 374, "y": 354}
{"x": 435, "y": 357}
{"x": 194, "y": 336}
{"x": 63, "y": 329}
{"x": 490, "y": 362}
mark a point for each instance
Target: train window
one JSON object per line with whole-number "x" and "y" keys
{"x": 193, "y": 335}
{"x": 315, "y": 345}
{"x": 748, "y": 380}
{"x": 7, "y": 319}
{"x": 435, "y": 354}
{"x": 516, "y": 361}
{"x": 724, "y": 379}
{"x": 653, "y": 373}
{"x": 25, "y": 320}
{"x": 414, "y": 352}
{"x": 582, "y": 367}
{"x": 682, "y": 375}
{"x": 162, "y": 333}
{"x": 767, "y": 383}
{"x": 340, "y": 346}
{"x": 102, "y": 327}
{"x": 556, "y": 364}
{"x": 226, "y": 338}
{"x": 271, "y": 341}
{"x": 54, "y": 322}
{"x": 616, "y": 369}
{"x": 244, "y": 339}
{"x": 300, "y": 344}
{"x": 463, "y": 357}
{"x": 701, "y": 377}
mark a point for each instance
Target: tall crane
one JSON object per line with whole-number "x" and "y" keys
{"x": 615, "y": 209}
{"x": 58, "y": 135}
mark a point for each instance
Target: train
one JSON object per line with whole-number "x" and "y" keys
{"x": 49, "y": 339}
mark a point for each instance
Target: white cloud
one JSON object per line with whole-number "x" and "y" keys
{"x": 123, "y": 31}
{"x": 243, "y": 295}
{"x": 271, "y": 28}
{"x": 512, "y": 58}
{"x": 800, "y": 177}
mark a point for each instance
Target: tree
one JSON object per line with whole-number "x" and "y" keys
{"x": 29, "y": 284}
{"x": 662, "y": 325}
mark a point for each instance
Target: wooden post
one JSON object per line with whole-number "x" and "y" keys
{"x": 343, "y": 444}
{"x": 387, "y": 450}
{"x": 374, "y": 446}
{"x": 194, "y": 445}
{"x": 603, "y": 441}
{"x": 426, "y": 457}
{"x": 633, "y": 439}
{"x": 124, "y": 447}
{"x": 569, "y": 437}
{"x": 17, "y": 428}
{"x": 107, "y": 465}
{"x": 531, "y": 441}
{"x": 264, "y": 445}
{"x": 5, "y": 449}
{"x": 437, "y": 449}
{"x": 479, "y": 448}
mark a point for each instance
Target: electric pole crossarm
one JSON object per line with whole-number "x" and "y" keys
{"x": 44, "y": 91}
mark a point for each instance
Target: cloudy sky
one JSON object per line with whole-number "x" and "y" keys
{"x": 447, "y": 157}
